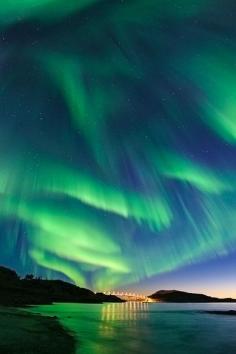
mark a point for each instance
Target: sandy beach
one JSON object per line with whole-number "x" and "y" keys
{"x": 24, "y": 333}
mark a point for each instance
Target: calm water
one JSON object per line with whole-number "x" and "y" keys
{"x": 147, "y": 328}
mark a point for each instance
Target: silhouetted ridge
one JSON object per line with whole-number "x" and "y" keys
{"x": 29, "y": 291}
{"x": 182, "y": 296}
{"x": 7, "y": 274}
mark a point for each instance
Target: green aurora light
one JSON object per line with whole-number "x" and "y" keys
{"x": 117, "y": 139}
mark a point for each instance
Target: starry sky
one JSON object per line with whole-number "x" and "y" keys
{"x": 117, "y": 142}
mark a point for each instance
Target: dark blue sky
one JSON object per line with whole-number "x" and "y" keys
{"x": 117, "y": 143}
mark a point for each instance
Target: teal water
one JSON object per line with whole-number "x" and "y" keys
{"x": 143, "y": 328}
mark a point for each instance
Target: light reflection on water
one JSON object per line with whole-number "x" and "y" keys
{"x": 127, "y": 311}
{"x": 136, "y": 328}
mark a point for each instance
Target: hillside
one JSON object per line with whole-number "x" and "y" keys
{"x": 181, "y": 296}
{"x": 29, "y": 291}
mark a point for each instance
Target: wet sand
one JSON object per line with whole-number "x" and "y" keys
{"x": 24, "y": 333}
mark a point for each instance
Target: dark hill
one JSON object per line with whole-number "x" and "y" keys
{"x": 29, "y": 291}
{"x": 181, "y": 296}
{"x": 7, "y": 275}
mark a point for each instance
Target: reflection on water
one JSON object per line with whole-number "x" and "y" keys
{"x": 129, "y": 312}
{"x": 126, "y": 311}
{"x": 136, "y": 328}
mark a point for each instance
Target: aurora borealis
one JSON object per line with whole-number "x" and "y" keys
{"x": 117, "y": 137}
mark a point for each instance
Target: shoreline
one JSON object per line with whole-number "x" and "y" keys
{"x": 24, "y": 332}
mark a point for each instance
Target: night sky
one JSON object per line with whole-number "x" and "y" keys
{"x": 118, "y": 142}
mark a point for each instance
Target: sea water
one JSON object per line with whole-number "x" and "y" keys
{"x": 147, "y": 328}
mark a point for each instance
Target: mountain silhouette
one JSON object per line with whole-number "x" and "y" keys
{"x": 15, "y": 291}
{"x": 182, "y": 296}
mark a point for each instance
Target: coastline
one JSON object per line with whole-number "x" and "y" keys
{"x": 24, "y": 332}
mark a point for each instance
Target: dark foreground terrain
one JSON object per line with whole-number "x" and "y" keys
{"x": 24, "y": 333}
{"x": 29, "y": 291}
